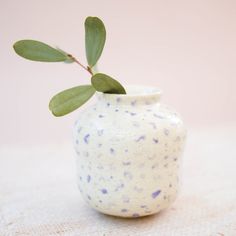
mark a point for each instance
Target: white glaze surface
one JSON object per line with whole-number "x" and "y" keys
{"x": 128, "y": 150}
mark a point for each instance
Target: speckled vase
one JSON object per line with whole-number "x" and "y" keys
{"x": 128, "y": 153}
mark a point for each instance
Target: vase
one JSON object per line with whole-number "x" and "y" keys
{"x": 128, "y": 153}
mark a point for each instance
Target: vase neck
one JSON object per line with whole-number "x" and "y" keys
{"x": 136, "y": 95}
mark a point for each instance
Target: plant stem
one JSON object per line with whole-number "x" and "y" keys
{"x": 84, "y": 67}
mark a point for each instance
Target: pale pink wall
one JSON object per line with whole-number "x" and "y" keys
{"x": 187, "y": 48}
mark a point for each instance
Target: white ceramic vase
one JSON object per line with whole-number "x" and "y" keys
{"x": 128, "y": 153}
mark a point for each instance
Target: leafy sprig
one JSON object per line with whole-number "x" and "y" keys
{"x": 71, "y": 99}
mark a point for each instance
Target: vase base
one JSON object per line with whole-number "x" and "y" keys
{"x": 128, "y": 215}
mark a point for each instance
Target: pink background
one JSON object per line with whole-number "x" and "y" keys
{"x": 186, "y": 48}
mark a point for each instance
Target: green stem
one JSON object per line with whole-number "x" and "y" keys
{"x": 84, "y": 67}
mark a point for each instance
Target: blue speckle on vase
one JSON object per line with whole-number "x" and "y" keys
{"x": 155, "y": 140}
{"x": 112, "y": 151}
{"x": 99, "y": 145}
{"x": 127, "y": 163}
{"x": 116, "y": 110}
{"x": 88, "y": 178}
{"x": 142, "y": 137}
{"x": 126, "y": 150}
{"x": 100, "y": 201}
{"x": 77, "y": 141}
{"x": 108, "y": 104}
{"x": 156, "y": 193}
{"x": 100, "y": 116}
{"x": 135, "y": 215}
{"x": 86, "y": 138}
{"x": 89, "y": 198}
{"x": 158, "y": 116}
{"x": 133, "y": 103}
{"x": 143, "y": 206}
{"x": 118, "y": 99}
{"x": 104, "y": 191}
{"x": 79, "y": 129}
{"x": 124, "y": 210}
{"x": 133, "y": 113}
{"x": 126, "y": 111}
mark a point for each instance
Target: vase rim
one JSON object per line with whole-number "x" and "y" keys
{"x": 136, "y": 91}
{"x": 136, "y": 94}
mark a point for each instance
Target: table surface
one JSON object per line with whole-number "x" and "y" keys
{"x": 39, "y": 196}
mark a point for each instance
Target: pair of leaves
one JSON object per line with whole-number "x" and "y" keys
{"x": 71, "y": 99}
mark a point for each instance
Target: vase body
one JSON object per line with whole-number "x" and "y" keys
{"x": 128, "y": 153}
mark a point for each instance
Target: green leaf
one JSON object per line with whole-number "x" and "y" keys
{"x": 38, "y": 51}
{"x": 95, "y": 37}
{"x": 70, "y": 99}
{"x": 106, "y": 84}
